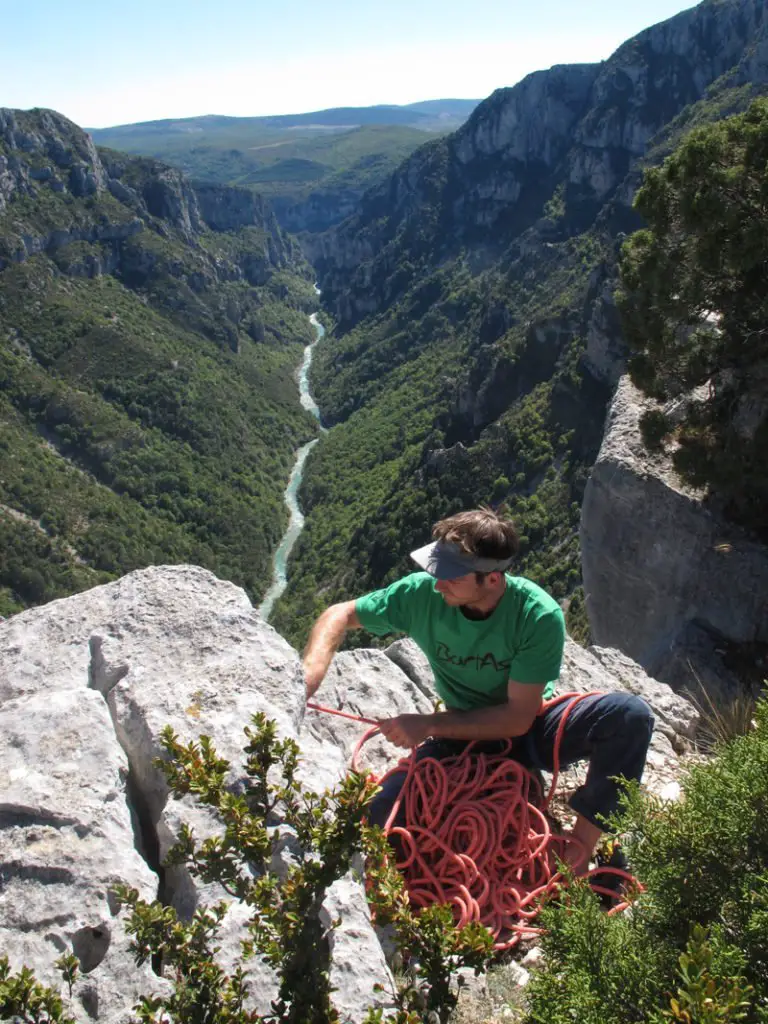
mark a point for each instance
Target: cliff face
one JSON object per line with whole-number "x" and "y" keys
{"x": 42, "y": 153}
{"x": 576, "y": 131}
{"x": 319, "y": 211}
{"x": 666, "y": 580}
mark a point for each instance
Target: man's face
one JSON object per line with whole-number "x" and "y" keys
{"x": 462, "y": 590}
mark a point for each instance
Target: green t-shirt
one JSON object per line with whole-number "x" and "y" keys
{"x": 473, "y": 659}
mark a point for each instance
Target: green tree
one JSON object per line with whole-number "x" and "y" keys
{"x": 694, "y": 301}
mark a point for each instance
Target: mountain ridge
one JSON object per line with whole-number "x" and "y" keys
{"x": 403, "y": 113}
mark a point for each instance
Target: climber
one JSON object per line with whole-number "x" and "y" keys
{"x": 495, "y": 644}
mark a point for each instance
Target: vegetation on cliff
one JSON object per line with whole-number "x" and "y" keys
{"x": 695, "y": 306}
{"x": 693, "y": 949}
{"x": 148, "y": 406}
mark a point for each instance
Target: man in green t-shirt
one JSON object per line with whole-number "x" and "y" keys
{"x": 495, "y": 645}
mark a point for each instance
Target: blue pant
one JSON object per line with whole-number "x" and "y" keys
{"x": 611, "y": 731}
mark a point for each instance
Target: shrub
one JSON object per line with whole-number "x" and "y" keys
{"x": 284, "y": 928}
{"x": 694, "y": 306}
{"x": 694, "y": 948}
{"x": 654, "y": 428}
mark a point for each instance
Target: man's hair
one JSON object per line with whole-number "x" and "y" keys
{"x": 480, "y": 532}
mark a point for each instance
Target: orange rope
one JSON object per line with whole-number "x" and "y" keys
{"x": 476, "y": 834}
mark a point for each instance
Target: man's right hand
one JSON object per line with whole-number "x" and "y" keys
{"x": 324, "y": 640}
{"x": 312, "y": 677}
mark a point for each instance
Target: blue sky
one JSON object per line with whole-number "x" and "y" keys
{"x": 103, "y": 64}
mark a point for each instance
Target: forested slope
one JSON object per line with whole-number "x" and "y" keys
{"x": 477, "y": 338}
{"x": 149, "y": 335}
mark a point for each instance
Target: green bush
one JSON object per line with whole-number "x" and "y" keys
{"x": 694, "y": 947}
{"x": 654, "y": 428}
{"x": 694, "y": 304}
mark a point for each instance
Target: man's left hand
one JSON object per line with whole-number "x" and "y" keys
{"x": 406, "y": 730}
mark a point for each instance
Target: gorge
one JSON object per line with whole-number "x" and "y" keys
{"x": 477, "y": 343}
{"x": 155, "y": 334}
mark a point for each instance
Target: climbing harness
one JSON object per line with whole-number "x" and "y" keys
{"x": 476, "y": 834}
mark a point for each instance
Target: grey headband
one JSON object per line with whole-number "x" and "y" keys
{"x": 445, "y": 561}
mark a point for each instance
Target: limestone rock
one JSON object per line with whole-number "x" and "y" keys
{"x": 356, "y": 953}
{"x": 409, "y": 657}
{"x": 369, "y": 684}
{"x": 667, "y": 581}
{"x": 66, "y": 836}
{"x": 608, "y": 671}
{"x": 86, "y": 686}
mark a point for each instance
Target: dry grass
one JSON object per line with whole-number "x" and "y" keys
{"x": 724, "y": 720}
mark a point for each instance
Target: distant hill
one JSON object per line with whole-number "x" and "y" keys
{"x": 427, "y": 115}
{"x": 313, "y": 166}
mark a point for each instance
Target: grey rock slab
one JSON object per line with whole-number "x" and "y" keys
{"x": 369, "y": 684}
{"x": 599, "y": 668}
{"x": 357, "y": 958}
{"x": 409, "y": 657}
{"x": 260, "y": 978}
{"x": 606, "y": 671}
{"x": 66, "y": 837}
{"x": 154, "y": 611}
{"x": 658, "y": 564}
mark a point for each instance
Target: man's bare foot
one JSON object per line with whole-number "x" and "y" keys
{"x": 575, "y": 856}
{"x": 579, "y": 853}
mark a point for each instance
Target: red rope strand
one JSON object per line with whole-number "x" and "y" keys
{"x": 477, "y": 836}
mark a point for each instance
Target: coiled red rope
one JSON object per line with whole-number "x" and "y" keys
{"x": 476, "y": 834}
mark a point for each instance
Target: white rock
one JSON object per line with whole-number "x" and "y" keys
{"x": 369, "y": 684}
{"x": 65, "y": 839}
{"x": 671, "y": 792}
{"x": 165, "y": 646}
{"x": 532, "y": 957}
{"x": 515, "y": 973}
{"x": 664, "y": 577}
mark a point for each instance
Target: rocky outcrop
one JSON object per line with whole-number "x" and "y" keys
{"x": 572, "y": 133}
{"x": 55, "y": 151}
{"x": 227, "y": 208}
{"x": 43, "y": 151}
{"x": 86, "y": 686}
{"x": 666, "y": 579}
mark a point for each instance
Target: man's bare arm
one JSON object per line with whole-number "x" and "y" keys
{"x": 502, "y": 721}
{"x": 325, "y": 639}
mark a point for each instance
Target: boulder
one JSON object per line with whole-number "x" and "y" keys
{"x": 67, "y": 836}
{"x": 667, "y": 581}
{"x": 162, "y": 646}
